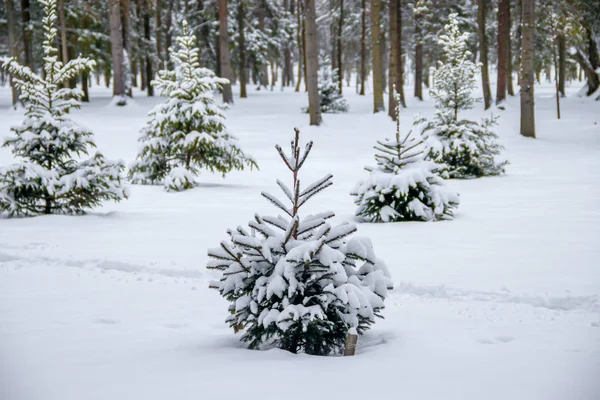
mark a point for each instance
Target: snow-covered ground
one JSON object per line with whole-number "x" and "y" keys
{"x": 501, "y": 303}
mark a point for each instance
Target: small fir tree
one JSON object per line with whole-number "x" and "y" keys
{"x": 187, "y": 133}
{"x": 50, "y": 179}
{"x": 403, "y": 186}
{"x": 332, "y": 101}
{"x": 300, "y": 284}
{"x": 467, "y": 147}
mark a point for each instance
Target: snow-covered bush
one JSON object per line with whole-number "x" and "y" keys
{"x": 51, "y": 179}
{"x": 332, "y": 101}
{"x": 403, "y": 186}
{"x": 299, "y": 283}
{"x": 467, "y": 147}
{"x": 187, "y": 133}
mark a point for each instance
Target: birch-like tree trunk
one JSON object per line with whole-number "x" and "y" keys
{"x": 527, "y": 68}
{"x": 312, "y": 62}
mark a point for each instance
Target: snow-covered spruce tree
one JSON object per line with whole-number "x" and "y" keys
{"x": 332, "y": 101}
{"x": 467, "y": 147}
{"x": 403, "y": 186}
{"x": 187, "y": 133}
{"x": 299, "y": 283}
{"x": 51, "y": 178}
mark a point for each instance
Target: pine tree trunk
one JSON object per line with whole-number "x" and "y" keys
{"x": 60, "y": 5}
{"x": 363, "y": 47}
{"x": 418, "y": 63}
{"x": 300, "y": 43}
{"x": 242, "y": 48}
{"x": 503, "y": 44}
{"x": 85, "y": 78}
{"x": 483, "y": 54}
{"x": 399, "y": 58}
{"x": 147, "y": 35}
{"x": 264, "y": 69}
{"x": 116, "y": 41}
{"x": 312, "y": 63}
{"x": 376, "y": 56}
{"x": 562, "y": 64}
{"x": 509, "y": 62}
{"x": 224, "y": 52}
{"x": 158, "y": 34}
{"x": 393, "y": 9}
{"x": 12, "y": 45}
{"x": 169, "y": 31}
{"x": 527, "y": 68}
{"x": 27, "y": 33}
{"x": 340, "y": 48}
{"x": 126, "y": 31}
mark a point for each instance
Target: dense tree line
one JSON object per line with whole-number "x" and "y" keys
{"x": 277, "y": 42}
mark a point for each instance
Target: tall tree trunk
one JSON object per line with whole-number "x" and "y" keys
{"x": 312, "y": 63}
{"x": 483, "y": 54}
{"x": 147, "y": 35}
{"x": 418, "y": 59}
{"x": 264, "y": 68}
{"x": 300, "y": 43}
{"x": 13, "y": 47}
{"x": 226, "y": 71}
{"x": 242, "y": 48}
{"x": 527, "y": 68}
{"x": 503, "y": 45}
{"x": 60, "y": 5}
{"x": 509, "y": 62}
{"x": 363, "y": 47}
{"x": 562, "y": 64}
{"x": 159, "y": 34}
{"x": 340, "y": 63}
{"x": 393, "y": 10}
{"x": 169, "y": 31}
{"x": 116, "y": 41}
{"x": 399, "y": 58}
{"x": 27, "y": 33}
{"x": 126, "y": 30}
{"x": 376, "y": 56}
{"x": 85, "y": 84}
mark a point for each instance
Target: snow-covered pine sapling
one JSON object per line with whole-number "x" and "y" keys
{"x": 51, "y": 179}
{"x": 467, "y": 147}
{"x": 187, "y": 133}
{"x": 403, "y": 186}
{"x": 332, "y": 101}
{"x": 299, "y": 283}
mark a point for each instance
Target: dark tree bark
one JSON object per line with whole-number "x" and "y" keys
{"x": 149, "y": 73}
{"x": 64, "y": 46}
{"x": 340, "y": 64}
{"x": 300, "y": 41}
{"x": 376, "y": 56}
{"x": 226, "y": 71}
{"x": 418, "y": 58}
{"x": 483, "y": 54}
{"x": 527, "y": 68}
{"x": 169, "y": 31}
{"x": 27, "y": 34}
{"x": 509, "y": 66}
{"x": 312, "y": 63}
{"x": 13, "y": 47}
{"x": 503, "y": 46}
{"x": 562, "y": 64}
{"x": 242, "y": 48}
{"x": 363, "y": 47}
{"x": 159, "y": 34}
{"x": 393, "y": 10}
{"x": 399, "y": 59}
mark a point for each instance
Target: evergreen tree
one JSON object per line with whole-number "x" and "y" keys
{"x": 300, "y": 284}
{"x": 468, "y": 148}
{"x": 187, "y": 133}
{"x": 403, "y": 186}
{"x": 332, "y": 100}
{"x": 50, "y": 179}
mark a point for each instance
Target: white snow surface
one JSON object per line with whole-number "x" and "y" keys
{"x": 501, "y": 303}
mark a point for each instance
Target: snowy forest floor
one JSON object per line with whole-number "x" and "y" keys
{"x": 501, "y": 303}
